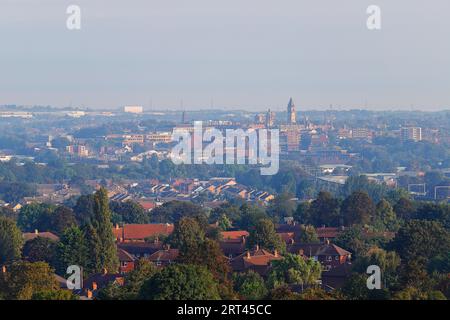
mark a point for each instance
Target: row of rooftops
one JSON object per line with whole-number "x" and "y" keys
{"x": 132, "y": 246}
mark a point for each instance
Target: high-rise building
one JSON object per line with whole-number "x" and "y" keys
{"x": 133, "y": 109}
{"x": 260, "y": 118}
{"x": 270, "y": 119}
{"x": 291, "y": 114}
{"x": 411, "y": 133}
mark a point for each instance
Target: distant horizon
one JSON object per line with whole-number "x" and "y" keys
{"x": 300, "y": 108}
{"x": 235, "y": 54}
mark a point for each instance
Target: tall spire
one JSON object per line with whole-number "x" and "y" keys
{"x": 291, "y": 113}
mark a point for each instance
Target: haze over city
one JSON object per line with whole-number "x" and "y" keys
{"x": 232, "y": 54}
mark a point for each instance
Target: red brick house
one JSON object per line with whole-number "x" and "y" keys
{"x": 329, "y": 255}
{"x": 126, "y": 261}
{"x": 140, "y": 232}
{"x": 164, "y": 257}
{"x": 233, "y": 243}
{"x": 141, "y": 250}
{"x": 258, "y": 260}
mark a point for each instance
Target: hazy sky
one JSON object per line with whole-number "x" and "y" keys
{"x": 249, "y": 54}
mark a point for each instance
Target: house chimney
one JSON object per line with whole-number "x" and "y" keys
{"x": 36, "y": 231}
{"x": 94, "y": 286}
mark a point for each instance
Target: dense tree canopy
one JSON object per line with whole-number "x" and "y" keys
{"x": 181, "y": 282}
{"x": 11, "y": 240}
{"x": 265, "y": 236}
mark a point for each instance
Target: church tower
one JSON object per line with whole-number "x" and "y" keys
{"x": 291, "y": 114}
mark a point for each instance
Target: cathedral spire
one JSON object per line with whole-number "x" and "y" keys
{"x": 291, "y": 113}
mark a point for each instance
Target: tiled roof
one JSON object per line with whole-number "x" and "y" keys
{"x": 141, "y": 248}
{"x": 328, "y": 232}
{"x": 234, "y": 235}
{"x": 124, "y": 255}
{"x": 32, "y": 235}
{"x": 142, "y": 231}
{"x": 164, "y": 255}
{"x": 232, "y": 247}
{"x": 147, "y": 205}
{"x": 317, "y": 249}
{"x": 253, "y": 258}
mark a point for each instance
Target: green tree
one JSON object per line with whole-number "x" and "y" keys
{"x": 72, "y": 250}
{"x": 385, "y": 218}
{"x": 250, "y": 215}
{"x": 317, "y": 294}
{"x": 35, "y": 216}
{"x": 294, "y": 269}
{"x": 426, "y": 239}
{"x": 224, "y": 223}
{"x": 62, "y": 219}
{"x": 187, "y": 236}
{"x": 355, "y": 288}
{"x": 181, "y": 282}
{"x": 265, "y": 236}
{"x": 404, "y": 208}
{"x": 173, "y": 211}
{"x": 412, "y": 293}
{"x": 435, "y": 212}
{"x": 40, "y": 249}
{"x": 283, "y": 292}
{"x": 8, "y": 213}
{"x": 84, "y": 209}
{"x": 388, "y": 261}
{"x": 250, "y": 285}
{"x": 24, "y": 279}
{"x": 99, "y": 233}
{"x": 11, "y": 240}
{"x": 282, "y": 206}
{"x": 195, "y": 248}
{"x": 308, "y": 234}
{"x": 129, "y": 212}
{"x": 357, "y": 208}
{"x": 57, "y": 294}
{"x": 352, "y": 239}
{"x": 133, "y": 282}
{"x": 325, "y": 210}
{"x": 303, "y": 213}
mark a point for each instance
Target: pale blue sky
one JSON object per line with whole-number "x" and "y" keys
{"x": 250, "y": 54}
